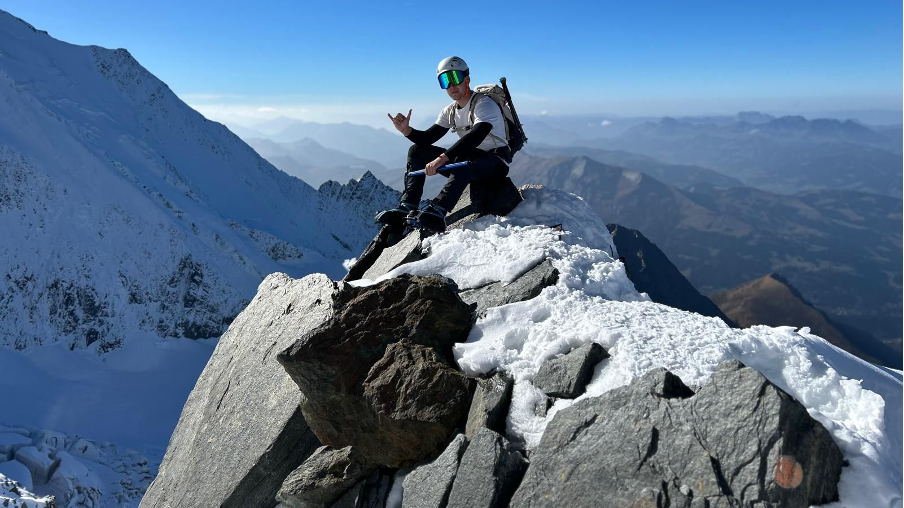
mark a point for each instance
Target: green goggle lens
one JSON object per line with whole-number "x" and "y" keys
{"x": 449, "y": 78}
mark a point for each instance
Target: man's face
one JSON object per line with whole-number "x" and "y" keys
{"x": 458, "y": 91}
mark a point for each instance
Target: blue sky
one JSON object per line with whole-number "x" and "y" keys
{"x": 348, "y": 61}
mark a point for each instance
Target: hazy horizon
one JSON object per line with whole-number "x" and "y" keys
{"x": 355, "y": 62}
{"x": 376, "y": 115}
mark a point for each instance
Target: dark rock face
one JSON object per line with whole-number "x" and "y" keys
{"x": 739, "y": 441}
{"x": 387, "y": 236}
{"x": 523, "y": 288}
{"x": 568, "y": 375}
{"x": 241, "y": 431}
{"x": 419, "y": 396}
{"x": 406, "y": 251}
{"x": 484, "y": 198}
{"x": 323, "y": 478}
{"x": 490, "y": 404}
{"x": 489, "y": 473}
{"x": 652, "y": 273}
{"x": 372, "y": 492}
{"x": 345, "y": 369}
{"x": 428, "y": 485}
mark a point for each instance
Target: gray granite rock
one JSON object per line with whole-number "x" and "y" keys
{"x": 391, "y": 423}
{"x": 525, "y": 287}
{"x": 324, "y": 477}
{"x": 387, "y": 236}
{"x": 428, "y": 485}
{"x": 567, "y": 376}
{"x": 406, "y": 251}
{"x": 490, "y": 404}
{"x": 241, "y": 431}
{"x": 739, "y": 441}
{"x": 497, "y": 197}
{"x": 489, "y": 473}
{"x": 542, "y": 407}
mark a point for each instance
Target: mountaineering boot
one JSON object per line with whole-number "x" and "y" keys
{"x": 432, "y": 217}
{"x": 395, "y": 216}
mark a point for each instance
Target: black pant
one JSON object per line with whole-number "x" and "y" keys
{"x": 483, "y": 166}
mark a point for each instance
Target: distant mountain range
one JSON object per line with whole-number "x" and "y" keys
{"x": 785, "y": 155}
{"x": 388, "y": 148}
{"x": 315, "y": 164}
{"x": 772, "y": 300}
{"x": 842, "y": 249}
{"x": 678, "y": 175}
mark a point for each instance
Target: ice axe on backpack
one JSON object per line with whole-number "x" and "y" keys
{"x": 440, "y": 169}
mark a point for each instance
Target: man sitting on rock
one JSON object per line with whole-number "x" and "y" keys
{"x": 481, "y": 143}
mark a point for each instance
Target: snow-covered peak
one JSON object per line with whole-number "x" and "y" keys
{"x": 124, "y": 210}
{"x": 593, "y": 301}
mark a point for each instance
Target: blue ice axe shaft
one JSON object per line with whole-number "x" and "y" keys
{"x": 440, "y": 169}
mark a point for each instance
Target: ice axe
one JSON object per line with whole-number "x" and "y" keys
{"x": 440, "y": 169}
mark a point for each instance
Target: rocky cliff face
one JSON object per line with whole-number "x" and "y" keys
{"x": 420, "y": 398}
{"x": 241, "y": 431}
{"x": 652, "y": 273}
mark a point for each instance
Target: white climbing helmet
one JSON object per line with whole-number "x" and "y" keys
{"x": 451, "y": 71}
{"x": 453, "y": 63}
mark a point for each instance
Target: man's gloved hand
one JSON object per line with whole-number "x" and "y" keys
{"x": 435, "y": 164}
{"x": 401, "y": 122}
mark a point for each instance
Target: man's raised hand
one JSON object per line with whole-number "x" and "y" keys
{"x": 401, "y": 122}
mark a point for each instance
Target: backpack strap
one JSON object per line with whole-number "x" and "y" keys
{"x": 452, "y": 116}
{"x": 476, "y": 97}
{"x": 474, "y": 100}
{"x": 471, "y": 117}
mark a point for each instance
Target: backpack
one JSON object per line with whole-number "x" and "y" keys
{"x": 514, "y": 132}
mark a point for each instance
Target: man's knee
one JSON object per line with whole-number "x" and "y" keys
{"x": 417, "y": 152}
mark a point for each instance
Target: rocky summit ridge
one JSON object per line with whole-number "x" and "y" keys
{"x": 506, "y": 362}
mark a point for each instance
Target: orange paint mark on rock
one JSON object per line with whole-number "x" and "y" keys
{"x": 788, "y": 473}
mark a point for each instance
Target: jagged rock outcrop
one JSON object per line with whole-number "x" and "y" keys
{"x": 739, "y": 441}
{"x": 566, "y": 376}
{"x": 365, "y": 385}
{"x": 428, "y": 485}
{"x": 372, "y": 492}
{"x": 490, "y": 404}
{"x": 489, "y": 472}
{"x": 324, "y": 477}
{"x": 406, "y": 251}
{"x": 652, "y": 273}
{"x": 525, "y": 287}
{"x": 482, "y": 471}
{"x": 241, "y": 431}
{"x": 387, "y": 236}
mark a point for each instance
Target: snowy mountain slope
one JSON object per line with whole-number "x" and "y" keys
{"x": 124, "y": 210}
{"x": 76, "y": 471}
{"x": 593, "y": 301}
{"x": 13, "y": 493}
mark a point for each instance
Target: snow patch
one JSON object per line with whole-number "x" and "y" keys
{"x": 593, "y": 301}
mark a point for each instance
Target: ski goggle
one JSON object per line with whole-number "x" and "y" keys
{"x": 449, "y": 78}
